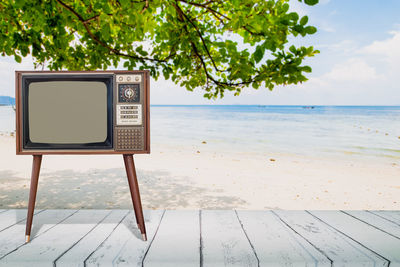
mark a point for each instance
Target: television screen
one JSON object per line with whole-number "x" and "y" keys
{"x": 58, "y": 116}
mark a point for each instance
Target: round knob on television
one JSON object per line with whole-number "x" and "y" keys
{"x": 129, "y": 93}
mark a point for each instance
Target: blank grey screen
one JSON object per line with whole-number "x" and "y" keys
{"x": 67, "y": 112}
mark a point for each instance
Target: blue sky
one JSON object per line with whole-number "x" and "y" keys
{"x": 359, "y": 64}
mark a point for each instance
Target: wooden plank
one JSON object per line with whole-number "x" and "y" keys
{"x": 11, "y": 217}
{"x": 338, "y": 248}
{"x": 385, "y": 245}
{"x": 182, "y": 229}
{"x": 276, "y": 244}
{"x": 79, "y": 251}
{"x": 44, "y": 249}
{"x": 125, "y": 247}
{"x": 376, "y": 221}
{"x": 14, "y": 236}
{"x": 224, "y": 242}
{"x": 392, "y": 215}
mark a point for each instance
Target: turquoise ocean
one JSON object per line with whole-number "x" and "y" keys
{"x": 350, "y": 131}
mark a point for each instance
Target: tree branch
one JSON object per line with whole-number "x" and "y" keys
{"x": 215, "y": 13}
{"x": 103, "y": 44}
{"x": 201, "y": 37}
{"x": 200, "y": 57}
{"x": 145, "y": 7}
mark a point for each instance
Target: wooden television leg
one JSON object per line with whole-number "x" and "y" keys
{"x": 37, "y": 160}
{"x": 135, "y": 194}
{"x": 133, "y": 186}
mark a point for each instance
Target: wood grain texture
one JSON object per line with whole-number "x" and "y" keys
{"x": 385, "y": 245}
{"x": 201, "y": 238}
{"x": 14, "y": 237}
{"x": 276, "y": 244}
{"x": 224, "y": 242}
{"x": 376, "y": 221}
{"x": 42, "y": 250}
{"x": 393, "y": 216}
{"x": 338, "y": 248}
{"x": 79, "y": 251}
{"x": 11, "y": 217}
{"x": 125, "y": 246}
{"x": 177, "y": 242}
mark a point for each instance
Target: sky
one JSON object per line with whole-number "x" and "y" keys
{"x": 358, "y": 64}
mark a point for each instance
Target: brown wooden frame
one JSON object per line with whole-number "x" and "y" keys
{"x": 18, "y": 120}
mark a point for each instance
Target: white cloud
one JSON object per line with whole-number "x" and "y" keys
{"x": 345, "y": 46}
{"x": 352, "y": 70}
{"x": 388, "y": 50}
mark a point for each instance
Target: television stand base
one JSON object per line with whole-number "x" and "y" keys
{"x": 133, "y": 186}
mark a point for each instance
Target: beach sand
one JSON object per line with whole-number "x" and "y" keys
{"x": 198, "y": 177}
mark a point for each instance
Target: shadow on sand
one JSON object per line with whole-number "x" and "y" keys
{"x": 108, "y": 189}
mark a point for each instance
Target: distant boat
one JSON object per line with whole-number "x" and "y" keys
{"x": 309, "y": 107}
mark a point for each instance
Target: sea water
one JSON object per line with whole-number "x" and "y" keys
{"x": 366, "y": 131}
{"x": 351, "y": 131}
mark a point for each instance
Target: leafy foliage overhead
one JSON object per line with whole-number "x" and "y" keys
{"x": 217, "y": 45}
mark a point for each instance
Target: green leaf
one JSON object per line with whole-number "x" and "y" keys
{"x": 303, "y": 20}
{"x": 294, "y": 16}
{"x": 293, "y": 49}
{"x": 307, "y": 69}
{"x": 311, "y": 2}
{"x": 310, "y": 30}
{"x": 259, "y": 53}
{"x": 285, "y": 8}
{"x": 17, "y": 58}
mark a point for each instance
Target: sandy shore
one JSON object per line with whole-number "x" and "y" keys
{"x": 197, "y": 177}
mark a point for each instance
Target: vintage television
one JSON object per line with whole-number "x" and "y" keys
{"x": 83, "y": 112}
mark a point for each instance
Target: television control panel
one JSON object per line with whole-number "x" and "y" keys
{"x": 130, "y": 130}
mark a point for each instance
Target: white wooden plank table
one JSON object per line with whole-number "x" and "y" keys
{"x": 10, "y": 217}
{"x": 393, "y": 216}
{"x": 376, "y": 221}
{"x": 338, "y": 248}
{"x": 274, "y": 242}
{"x": 178, "y": 247}
{"x": 387, "y": 246}
{"x": 11, "y": 239}
{"x": 125, "y": 246}
{"x": 42, "y": 250}
{"x": 79, "y": 251}
{"x": 223, "y": 240}
{"x": 201, "y": 238}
